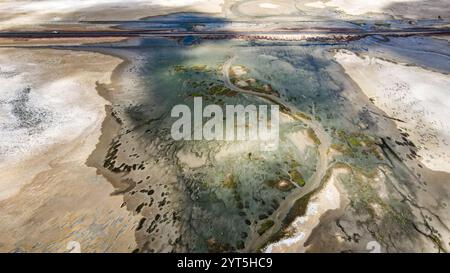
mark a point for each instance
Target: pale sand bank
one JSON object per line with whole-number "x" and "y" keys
{"x": 417, "y": 96}
{"x": 326, "y": 199}
{"x": 58, "y": 41}
{"x": 51, "y": 117}
{"x": 398, "y": 8}
{"x": 357, "y": 7}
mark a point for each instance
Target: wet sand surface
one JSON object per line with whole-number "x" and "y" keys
{"x": 49, "y": 197}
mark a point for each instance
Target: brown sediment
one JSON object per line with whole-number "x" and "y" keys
{"x": 111, "y": 124}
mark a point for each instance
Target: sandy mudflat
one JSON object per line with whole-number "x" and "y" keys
{"x": 326, "y": 199}
{"x": 414, "y": 95}
{"x": 85, "y": 159}
{"x": 355, "y": 7}
{"x": 58, "y": 41}
{"x": 51, "y": 116}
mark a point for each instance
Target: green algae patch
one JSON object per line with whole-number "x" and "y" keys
{"x": 298, "y": 209}
{"x": 257, "y": 86}
{"x": 242, "y": 80}
{"x": 203, "y": 82}
{"x": 356, "y": 139}
{"x": 343, "y": 149}
{"x": 353, "y": 142}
